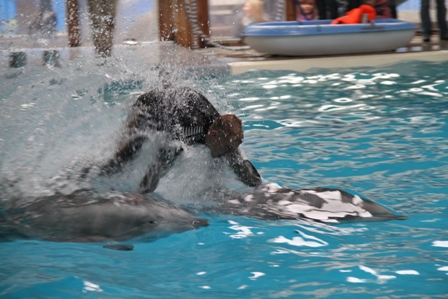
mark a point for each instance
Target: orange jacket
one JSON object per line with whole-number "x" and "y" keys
{"x": 354, "y": 16}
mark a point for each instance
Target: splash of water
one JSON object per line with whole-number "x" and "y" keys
{"x": 58, "y": 120}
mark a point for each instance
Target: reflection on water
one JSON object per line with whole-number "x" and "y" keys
{"x": 337, "y": 128}
{"x": 379, "y": 132}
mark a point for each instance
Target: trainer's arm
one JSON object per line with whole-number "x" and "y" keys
{"x": 127, "y": 152}
{"x": 243, "y": 168}
{"x": 130, "y": 146}
{"x": 160, "y": 166}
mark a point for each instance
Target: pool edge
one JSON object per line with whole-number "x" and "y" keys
{"x": 304, "y": 64}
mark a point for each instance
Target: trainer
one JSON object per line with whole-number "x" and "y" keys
{"x": 185, "y": 115}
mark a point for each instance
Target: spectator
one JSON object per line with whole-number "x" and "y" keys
{"x": 306, "y": 10}
{"x": 393, "y": 9}
{"x": 426, "y": 20}
{"x": 253, "y": 12}
{"x": 353, "y": 4}
{"x": 102, "y": 15}
{"x": 382, "y": 8}
{"x": 328, "y": 9}
{"x": 45, "y": 23}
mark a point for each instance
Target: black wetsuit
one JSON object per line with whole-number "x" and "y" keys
{"x": 183, "y": 114}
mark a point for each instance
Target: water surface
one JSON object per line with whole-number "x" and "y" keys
{"x": 379, "y": 132}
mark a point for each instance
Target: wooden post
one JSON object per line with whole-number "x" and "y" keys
{"x": 73, "y": 23}
{"x": 166, "y": 22}
{"x": 290, "y": 10}
{"x": 203, "y": 21}
{"x": 184, "y": 31}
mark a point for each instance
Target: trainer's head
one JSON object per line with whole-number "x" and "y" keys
{"x": 224, "y": 135}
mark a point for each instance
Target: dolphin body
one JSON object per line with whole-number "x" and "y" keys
{"x": 90, "y": 216}
{"x": 330, "y": 205}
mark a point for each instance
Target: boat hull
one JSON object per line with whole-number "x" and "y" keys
{"x": 316, "y": 38}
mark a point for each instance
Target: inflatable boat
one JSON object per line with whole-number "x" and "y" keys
{"x": 313, "y": 38}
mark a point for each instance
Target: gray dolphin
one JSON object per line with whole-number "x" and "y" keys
{"x": 331, "y": 205}
{"x": 90, "y": 216}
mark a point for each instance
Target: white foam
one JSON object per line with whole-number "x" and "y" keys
{"x": 285, "y": 203}
{"x": 234, "y": 201}
{"x": 440, "y": 243}
{"x": 243, "y": 231}
{"x": 256, "y": 275}
{"x": 299, "y": 241}
{"x": 355, "y": 280}
{"x": 386, "y": 277}
{"x": 248, "y": 198}
{"x": 272, "y": 187}
{"x": 407, "y": 272}
{"x": 374, "y": 273}
{"x": 368, "y": 270}
{"x": 89, "y": 286}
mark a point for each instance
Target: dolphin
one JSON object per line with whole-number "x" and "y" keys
{"x": 90, "y": 216}
{"x": 331, "y": 205}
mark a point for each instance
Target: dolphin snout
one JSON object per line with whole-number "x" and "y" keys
{"x": 199, "y": 222}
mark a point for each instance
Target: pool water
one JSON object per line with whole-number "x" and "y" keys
{"x": 379, "y": 132}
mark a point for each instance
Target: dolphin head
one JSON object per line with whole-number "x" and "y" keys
{"x": 89, "y": 216}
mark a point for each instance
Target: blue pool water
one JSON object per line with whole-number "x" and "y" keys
{"x": 379, "y": 132}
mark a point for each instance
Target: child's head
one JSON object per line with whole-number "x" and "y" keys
{"x": 254, "y": 10}
{"x": 307, "y": 6}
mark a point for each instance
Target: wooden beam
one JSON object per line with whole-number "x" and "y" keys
{"x": 203, "y": 21}
{"x": 184, "y": 31}
{"x": 290, "y": 10}
{"x": 73, "y": 23}
{"x": 166, "y": 22}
